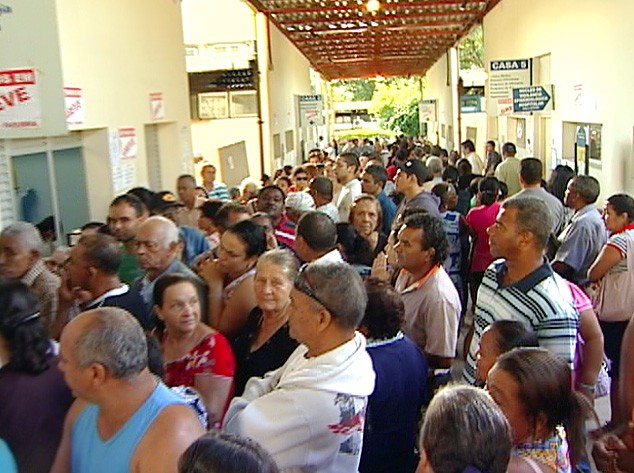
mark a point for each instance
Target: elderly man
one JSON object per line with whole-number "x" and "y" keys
{"x": 124, "y": 419}
{"x": 346, "y": 168}
{"x": 522, "y": 286}
{"x": 317, "y": 238}
{"x": 125, "y": 214}
{"x": 309, "y": 413}
{"x": 21, "y": 259}
{"x": 297, "y": 204}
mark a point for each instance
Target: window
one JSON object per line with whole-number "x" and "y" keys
{"x": 243, "y": 104}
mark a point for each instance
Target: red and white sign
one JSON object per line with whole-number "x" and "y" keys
{"x": 157, "y": 106}
{"x": 75, "y": 106}
{"x": 128, "y": 145}
{"x": 19, "y": 99}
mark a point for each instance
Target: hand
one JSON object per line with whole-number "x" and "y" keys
{"x": 604, "y": 453}
{"x": 210, "y": 271}
{"x": 379, "y": 267}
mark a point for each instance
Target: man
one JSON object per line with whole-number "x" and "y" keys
{"x": 317, "y": 238}
{"x": 373, "y": 182}
{"x": 432, "y": 303}
{"x": 409, "y": 181}
{"x": 493, "y": 158}
{"x": 300, "y": 179}
{"x": 124, "y": 419}
{"x": 531, "y": 174}
{"x": 582, "y": 240}
{"x": 320, "y": 188}
{"x": 309, "y": 413}
{"x": 21, "y": 259}
{"x": 434, "y": 167}
{"x": 346, "y": 168}
{"x": 125, "y": 214}
{"x": 297, "y": 204}
{"x": 92, "y": 269}
{"x": 522, "y": 286}
{"x": 271, "y": 200}
{"x": 215, "y": 189}
{"x": 186, "y": 189}
{"x": 316, "y": 155}
{"x": 508, "y": 171}
{"x": 157, "y": 248}
{"x": 468, "y": 152}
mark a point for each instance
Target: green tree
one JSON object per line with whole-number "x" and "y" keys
{"x": 353, "y": 90}
{"x": 395, "y": 103}
{"x": 471, "y": 49}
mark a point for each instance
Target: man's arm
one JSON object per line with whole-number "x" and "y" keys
{"x": 62, "y": 458}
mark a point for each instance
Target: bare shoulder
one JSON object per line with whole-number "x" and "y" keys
{"x": 177, "y": 419}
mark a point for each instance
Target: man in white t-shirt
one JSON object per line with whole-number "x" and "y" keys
{"x": 346, "y": 169}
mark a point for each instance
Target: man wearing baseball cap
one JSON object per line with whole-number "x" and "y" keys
{"x": 409, "y": 181}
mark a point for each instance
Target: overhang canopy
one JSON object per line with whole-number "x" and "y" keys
{"x": 343, "y": 40}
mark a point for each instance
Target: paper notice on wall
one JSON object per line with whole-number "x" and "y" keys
{"x": 20, "y": 105}
{"x": 128, "y": 143}
{"x": 157, "y": 106}
{"x": 123, "y": 149}
{"x": 75, "y": 106}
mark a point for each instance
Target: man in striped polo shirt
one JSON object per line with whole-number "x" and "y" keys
{"x": 521, "y": 285}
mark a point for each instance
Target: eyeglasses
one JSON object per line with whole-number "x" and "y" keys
{"x": 303, "y": 286}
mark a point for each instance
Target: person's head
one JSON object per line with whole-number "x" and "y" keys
{"x": 531, "y": 172}
{"x": 21, "y": 330}
{"x": 275, "y": 273}
{"x": 93, "y": 258}
{"x": 20, "y": 248}
{"x": 508, "y": 150}
{"x": 208, "y": 211}
{"x": 434, "y": 166}
{"x": 248, "y": 189}
{"x": 490, "y": 146}
{"x": 156, "y": 245}
{"x": 323, "y": 313}
{"x": 464, "y": 167}
{"x": 410, "y": 177}
{"x": 558, "y": 181}
{"x": 222, "y": 452}
{"x": 208, "y": 173}
{"x": 264, "y": 220}
{"x": 521, "y": 228}
{"x": 229, "y": 214}
{"x": 297, "y": 204}
{"x": 447, "y": 194}
{"x": 315, "y": 156}
{"x": 300, "y": 178}
{"x": 581, "y": 191}
{"x": 366, "y": 215}
{"x": 489, "y": 190}
{"x": 385, "y": 311}
{"x": 284, "y": 183}
{"x": 240, "y": 247}
{"x": 422, "y": 243}
{"x": 618, "y": 212}
{"x": 464, "y": 429}
{"x": 125, "y": 214}
{"x": 316, "y": 235}
{"x": 91, "y": 228}
{"x": 177, "y": 303}
{"x": 533, "y": 387}
{"x": 320, "y": 189}
{"x": 346, "y": 167}
{"x": 467, "y": 147}
{"x": 57, "y": 261}
{"x": 271, "y": 201}
{"x": 498, "y": 338}
{"x": 186, "y": 188}
{"x": 504, "y": 191}
{"x": 450, "y": 174}
{"x": 373, "y": 179}
{"x": 99, "y": 347}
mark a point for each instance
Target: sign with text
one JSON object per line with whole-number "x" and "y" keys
{"x": 533, "y": 99}
{"x": 504, "y": 76}
{"x": 75, "y": 106}
{"x": 157, "y": 106}
{"x": 310, "y": 110}
{"x": 128, "y": 145}
{"x": 427, "y": 110}
{"x": 19, "y": 99}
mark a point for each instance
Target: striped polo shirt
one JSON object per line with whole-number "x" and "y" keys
{"x": 541, "y": 301}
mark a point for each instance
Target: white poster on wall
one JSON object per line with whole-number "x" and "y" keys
{"x": 19, "y": 99}
{"x": 123, "y": 151}
{"x": 75, "y": 106}
{"x": 504, "y": 76}
{"x": 157, "y": 106}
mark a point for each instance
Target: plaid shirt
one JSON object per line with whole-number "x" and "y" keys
{"x": 45, "y": 285}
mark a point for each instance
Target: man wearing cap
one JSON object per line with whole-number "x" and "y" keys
{"x": 409, "y": 181}
{"x": 297, "y": 204}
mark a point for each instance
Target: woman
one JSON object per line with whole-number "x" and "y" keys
{"x": 230, "y": 277}
{"x": 464, "y": 431}
{"x": 195, "y": 355}
{"x": 614, "y": 261}
{"x": 479, "y": 219}
{"x": 34, "y": 398}
{"x": 206, "y": 221}
{"x": 264, "y": 344}
{"x": 365, "y": 219}
{"x": 534, "y": 389}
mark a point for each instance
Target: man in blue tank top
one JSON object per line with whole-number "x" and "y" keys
{"x": 124, "y": 419}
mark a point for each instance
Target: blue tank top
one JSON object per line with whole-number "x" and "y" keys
{"x": 90, "y": 454}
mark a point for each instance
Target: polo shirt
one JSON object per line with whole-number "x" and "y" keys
{"x": 219, "y": 191}
{"x": 432, "y": 311}
{"x": 540, "y": 301}
{"x": 508, "y": 171}
{"x": 581, "y": 241}
{"x": 285, "y": 233}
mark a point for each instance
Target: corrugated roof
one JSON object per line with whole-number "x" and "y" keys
{"x": 343, "y": 40}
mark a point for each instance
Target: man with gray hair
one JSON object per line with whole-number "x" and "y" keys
{"x": 124, "y": 418}
{"x": 21, "y": 260}
{"x": 309, "y": 413}
{"x": 521, "y": 285}
{"x": 582, "y": 239}
{"x": 434, "y": 167}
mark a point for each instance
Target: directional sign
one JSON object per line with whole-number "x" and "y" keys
{"x": 533, "y": 99}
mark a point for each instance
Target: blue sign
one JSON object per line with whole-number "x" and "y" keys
{"x": 531, "y": 99}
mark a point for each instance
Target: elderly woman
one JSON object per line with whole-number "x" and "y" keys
{"x": 195, "y": 355}
{"x": 464, "y": 431}
{"x": 365, "y": 217}
{"x": 264, "y": 344}
{"x": 230, "y": 277}
{"x": 34, "y": 398}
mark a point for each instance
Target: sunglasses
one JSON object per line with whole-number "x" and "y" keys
{"x": 303, "y": 286}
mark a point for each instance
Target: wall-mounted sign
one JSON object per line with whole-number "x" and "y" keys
{"x": 504, "y": 76}
{"x": 427, "y": 110}
{"x": 533, "y": 99}
{"x": 310, "y": 110}
{"x": 19, "y": 99}
{"x": 75, "y": 106}
{"x": 157, "y": 106}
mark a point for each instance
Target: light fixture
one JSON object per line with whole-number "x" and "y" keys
{"x": 463, "y": 6}
{"x": 373, "y": 6}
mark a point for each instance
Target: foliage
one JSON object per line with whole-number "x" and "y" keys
{"x": 364, "y": 133}
{"x": 471, "y": 49}
{"x": 353, "y": 90}
{"x": 395, "y": 103}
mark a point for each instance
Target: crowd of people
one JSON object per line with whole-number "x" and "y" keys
{"x": 311, "y": 322}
